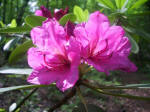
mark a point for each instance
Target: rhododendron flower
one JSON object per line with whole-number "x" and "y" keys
{"x": 43, "y": 12}
{"x": 103, "y": 46}
{"x": 58, "y": 13}
{"x": 69, "y": 28}
{"x": 54, "y": 59}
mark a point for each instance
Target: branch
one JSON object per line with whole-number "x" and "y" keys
{"x": 23, "y": 100}
{"x": 81, "y": 98}
{"x": 64, "y": 100}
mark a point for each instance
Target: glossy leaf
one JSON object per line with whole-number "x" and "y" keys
{"x": 79, "y": 13}
{"x": 118, "y": 3}
{"x": 107, "y": 3}
{"x": 6, "y": 89}
{"x": 13, "y": 23}
{"x": 86, "y": 15}
{"x": 135, "y": 47}
{"x": 138, "y": 4}
{"x": 138, "y": 86}
{"x": 22, "y": 71}
{"x": 100, "y": 90}
{"x": 124, "y": 3}
{"x": 34, "y": 21}
{"x": 12, "y": 107}
{"x": 21, "y": 29}
{"x": 10, "y": 44}
{"x": 67, "y": 17}
{"x": 19, "y": 51}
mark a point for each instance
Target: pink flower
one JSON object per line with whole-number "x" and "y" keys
{"x": 58, "y": 13}
{"x": 54, "y": 59}
{"x": 46, "y": 13}
{"x": 69, "y": 28}
{"x": 103, "y": 46}
{"x": 43, "y": 12}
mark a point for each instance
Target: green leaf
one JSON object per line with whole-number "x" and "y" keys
{"x": 68, "y": 17}
{"x": 13, "y": 23}
{"x": 21, "y": 29}
{"x": 138, "y": 4}
{"x": 19, "y": 51}
{"x": 10, "y": 44}
{"x": 12, "y": 107}
{"x": 145, "y": 13}
{"x": 138, "y": 86}
{"x": 123, "y": 2}
{"x": 81, "y": 15}
{"x": 34, "y": 21}
{"x": 86, "y": 15}
{"x": 6, "y": 89}
{"x": 2, "y": 110}
{"x": 2, "y": 24}
{"x": 22, "y": 71}
{"x": 78, "y": 12}
{"x": 139, "y": 32}
{"x": 118, "y": 3}
{"x": 101, "y": 90}
{"x": 107, "y": 4}
{"x": 135, "y": 47}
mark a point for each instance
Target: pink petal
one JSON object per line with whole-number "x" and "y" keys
{"x": 39, "y": 37}
{"x": 94, "y": 22}
{"x": 38, "y": 13}
{"x": 35, "y": 58}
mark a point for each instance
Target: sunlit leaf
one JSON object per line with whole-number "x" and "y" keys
{"x": 107, "y": 4}
{"x": 86, "y": 15}
{"x": 2, "y": 24}
{"x": 22, "y": 71}
{"x": 10, "y": 44}
{"x": 118, "y": 3}
{"x": 19, "y": 51}
{"x": 123, "y": 5}
{"x": 6, "y": 89}
{"x": 68, "y": 17}
{"x": 34, "y": 21}
{"x": 12, "y": 107}
{"x": 140, "y": 86}
{"x": 13, "y": 23}
{"x": 81, "y": 15}
{"x": 102, "y": 91}
{"x": 138, "y": 4}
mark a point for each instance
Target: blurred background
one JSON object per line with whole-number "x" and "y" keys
{"x": 132, "y": 15}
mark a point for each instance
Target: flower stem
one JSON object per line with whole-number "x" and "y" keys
{"x": 81, "y": 97}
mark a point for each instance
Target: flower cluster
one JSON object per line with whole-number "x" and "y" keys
{"x": 56, "y": 57}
